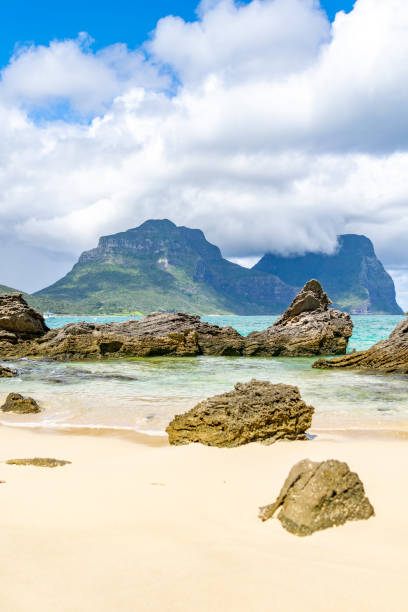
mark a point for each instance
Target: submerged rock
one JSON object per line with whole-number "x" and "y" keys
{"x": 39, "y": 462}
{"x": 253, "y": 411}
{"x": 18, "y": 321}
{"x": 7, "y": 372}
{"x": 389, "y": 355}
{"x": 318, "y": 495}
{"x": 308, "y": 327}
{"x": 20, "y": 405}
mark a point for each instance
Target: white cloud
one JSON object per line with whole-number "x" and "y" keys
{"x": 281, "y": 134}
{"x": 68, "y": 72}
{"x": 266, "y": 39}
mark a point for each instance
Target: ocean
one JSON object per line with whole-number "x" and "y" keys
{"x": 143, "y": 394}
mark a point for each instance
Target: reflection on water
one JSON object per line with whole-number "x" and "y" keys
{"x": 144, "y": 394}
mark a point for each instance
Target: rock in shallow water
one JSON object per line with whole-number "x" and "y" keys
{"x": 318, "y": 495}
{"x": 18, "y": 404}
{"x": 389, "y": 355}
{"x": 39, "y": 462}
{"x": 7, "y": 373}
{"x": 253, "y": 411}
{"x": 308, "y": 327}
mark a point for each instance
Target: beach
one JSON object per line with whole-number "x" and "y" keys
{"x": 134, "y": 524}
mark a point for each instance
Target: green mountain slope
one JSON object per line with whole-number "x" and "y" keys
{"x": 353, "y": 277}
{"x": 159, "y": 266}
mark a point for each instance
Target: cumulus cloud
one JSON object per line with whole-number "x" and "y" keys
{"x": 260, "y": 123}
{"x": 69, "y": 72}
{"x": 262, "y": 39}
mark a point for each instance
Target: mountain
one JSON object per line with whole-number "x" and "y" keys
{"x": 159, "y": 266}
{"x": 353, "y": 277}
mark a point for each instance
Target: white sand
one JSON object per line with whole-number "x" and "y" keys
{"x": 132, "y": 527}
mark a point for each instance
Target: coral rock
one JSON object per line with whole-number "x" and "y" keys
{"x": 20, "y": 405}
{"x": 7, "y": 373}
{"x": 39, "y": 462}
{"x": 253, "y": 411}
{"x": 318, "y": 495}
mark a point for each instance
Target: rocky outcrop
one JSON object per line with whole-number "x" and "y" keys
{"x": 39, "y": 462}
{"x": 308, "y": 327}
{"x": 174, "y": 334}
{"x": 7, "y": 373}
{"x": 389, "y": 355}
{"x": 253, "y": 411}
{"x": 318, "y": 495}
{"x": 18, "y": 321}
{"x": 18, "y": 404}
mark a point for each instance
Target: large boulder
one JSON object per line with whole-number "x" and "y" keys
{"x": 308, "y": 327}
{"x": 18, "y": 404}
{"x": 318, "y": 495}
{"x": 175, "y": 334}
{"x": 18, "y": 321}
{"x": 253, "y": 411}
{"x": 7, "y": 372}
{"x": 389, "y": 355}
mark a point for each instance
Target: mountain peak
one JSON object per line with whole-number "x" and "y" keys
{"x": 353, "y": 277}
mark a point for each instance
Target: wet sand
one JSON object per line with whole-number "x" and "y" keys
{"x": 134, "y": 524}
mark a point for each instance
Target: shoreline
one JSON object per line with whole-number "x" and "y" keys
{"x": 125, "y": 517}
{"x": 159, "y": 438}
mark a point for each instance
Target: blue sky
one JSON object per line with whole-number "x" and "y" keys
{"x": 129, "y": 21}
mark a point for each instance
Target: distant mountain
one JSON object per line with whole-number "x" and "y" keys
{"x": 353, "y": 277}
{"x": 159, "y": 266}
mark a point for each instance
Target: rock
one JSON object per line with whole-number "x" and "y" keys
{"x": 18, "y": 321}
{"x": 308, "y": 327}
{"x": 38, "y": 462}
{"x": 20, "y": 405}
{"x": 389, "y": 355}
{"x": 7, "y": 373}
{"x": 253, "y": 411}
{"x": 175, "y": 334}
{"x": 318, "y": 495}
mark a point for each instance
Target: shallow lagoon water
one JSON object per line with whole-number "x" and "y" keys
{"x": 144, "y": 394}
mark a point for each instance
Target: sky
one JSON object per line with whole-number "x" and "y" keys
{"x": 273, "y": 125}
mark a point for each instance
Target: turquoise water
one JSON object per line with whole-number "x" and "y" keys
{"x": 144, "y": 394}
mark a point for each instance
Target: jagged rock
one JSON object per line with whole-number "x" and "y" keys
{"x": 308, "y": 327}
{"x": 18, "y": 321}
{"x": 318, "y": 495}
{"x": 39, "y": 462}
{"x": 253, "y": 411}
{"x": 20, "y": 405}
{"x": 389, "y": 355}
{"x": 157, "y": 334}
{"x": 7, "y": 372}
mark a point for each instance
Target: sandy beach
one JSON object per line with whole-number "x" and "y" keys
{"x": 134, "y": 524}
